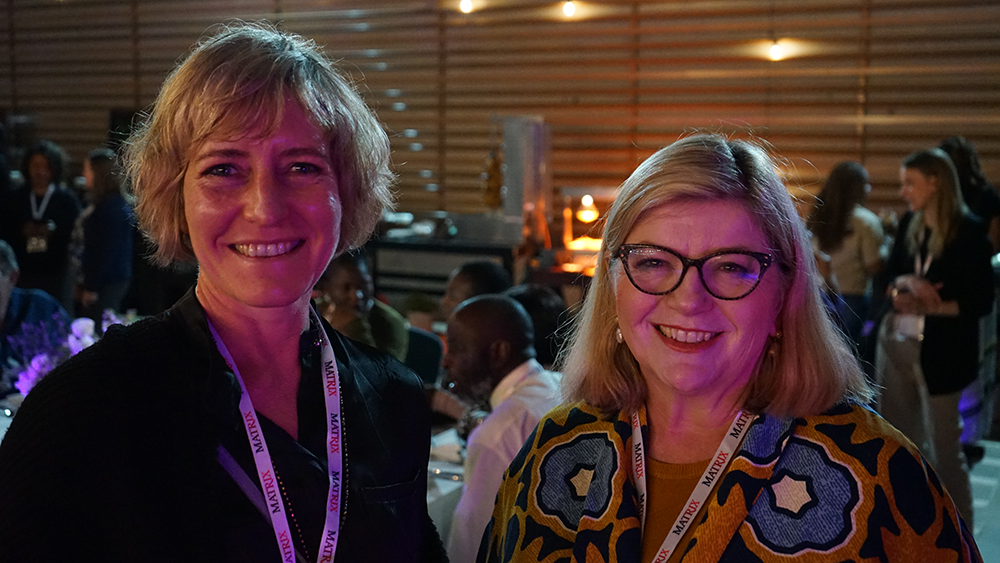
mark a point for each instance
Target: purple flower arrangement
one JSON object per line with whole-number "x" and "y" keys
{"x": 45, "y": 345}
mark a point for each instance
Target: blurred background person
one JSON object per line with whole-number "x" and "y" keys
{"x": 979, "y": 400}
{"x": 978, "y": 193}
{"x": 851, "y": 236}
{"x": 102, "y": 240}
{"x": 547, "y": 310}
{"x": 43, "y": 213}
{"x": 472, "y": 279}
{"x": 5, "y": 187}
{"x": 928, "y": 348}
{"x": 703, "y": 363}
{"x": 491, "y": 362}
{"x": 24, "y": 311}
{"x": 345, "y": 295}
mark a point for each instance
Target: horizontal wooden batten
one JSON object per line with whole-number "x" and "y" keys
{"x": 866, "y": 80}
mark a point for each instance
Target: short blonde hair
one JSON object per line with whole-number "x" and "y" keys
{"x": 812, "y": 367}
{"x": 235, "y": 81}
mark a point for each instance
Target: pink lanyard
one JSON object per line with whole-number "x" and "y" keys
{"x": 265, "y": 467}
{"x": 730, "y": 443}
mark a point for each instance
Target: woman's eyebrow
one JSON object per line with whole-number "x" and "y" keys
{"x": 220, "y": 153}
{"x": 305, "y": 151}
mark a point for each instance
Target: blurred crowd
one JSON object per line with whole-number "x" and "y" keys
{"x": 914, "y": 295}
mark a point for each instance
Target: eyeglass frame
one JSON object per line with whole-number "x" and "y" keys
{"x": 764, "y": 259}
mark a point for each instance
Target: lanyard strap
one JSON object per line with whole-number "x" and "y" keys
{"x": 921, "y": 264}
{"x": 730, "y": 443}
{"x": 38, "y": 211}
{"x": 265, "y": 466}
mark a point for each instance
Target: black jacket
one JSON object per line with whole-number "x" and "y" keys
{"x": 114, "y": 455}
{"x": 949, "y": 354}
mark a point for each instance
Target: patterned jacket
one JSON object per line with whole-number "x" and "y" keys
{"x": 841, "y": 486}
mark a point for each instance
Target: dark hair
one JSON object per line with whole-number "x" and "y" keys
{"x": 498, "y": 317}
{"x": 53, "y": 154}
{"x": 485, "y": 277}
{"x": 355, "y": 258}
{"x": 104, "y": 165}
{"x": 971, "y": 179}
{"x": 546, "y": 309}
{"x": 844, "y": 189}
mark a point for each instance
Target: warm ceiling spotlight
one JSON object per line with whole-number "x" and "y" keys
{"x": 569, "y": 9}
{"x": 465, "y": 6}
{"x": 777, "y": 52}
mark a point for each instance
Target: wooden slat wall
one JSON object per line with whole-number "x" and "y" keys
{"x": 872, "y": 80}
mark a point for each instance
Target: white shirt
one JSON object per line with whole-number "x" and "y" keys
{"x": 520, "y": 400}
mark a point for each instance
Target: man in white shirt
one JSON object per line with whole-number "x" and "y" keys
{"x": 491, "y": 356}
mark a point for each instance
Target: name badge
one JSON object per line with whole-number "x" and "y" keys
{"x": 37, "y": 245}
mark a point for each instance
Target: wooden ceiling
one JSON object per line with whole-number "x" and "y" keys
{"x": 866, "y": 80}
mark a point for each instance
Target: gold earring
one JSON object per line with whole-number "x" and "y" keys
{"x": 772, "y": 344}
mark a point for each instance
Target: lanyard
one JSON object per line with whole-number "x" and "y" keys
{"x": 38, "y": 211}
{"x": 730, "y": 443}
{"x": 921, "y": 264}
{"x": 265, "y": 467}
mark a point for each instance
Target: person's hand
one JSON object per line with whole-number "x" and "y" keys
{"x": 915, "y": 295}
{"x": 446, "y": 402}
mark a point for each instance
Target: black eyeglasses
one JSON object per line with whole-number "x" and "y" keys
{"x": 727, "y": 275}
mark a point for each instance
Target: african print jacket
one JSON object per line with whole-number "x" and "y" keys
{"x": 841, "y": 486}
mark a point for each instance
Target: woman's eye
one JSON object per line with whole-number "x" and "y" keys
{"x": 305, "y": 168}
{"x": 221, "y": 170}
{"x": 649, "y": 264}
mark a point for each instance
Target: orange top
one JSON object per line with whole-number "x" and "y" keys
{"x": 668, "y": 488}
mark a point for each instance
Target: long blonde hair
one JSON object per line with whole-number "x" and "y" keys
{"x": 949, "y": 207}
{"x": 812, "y": 368}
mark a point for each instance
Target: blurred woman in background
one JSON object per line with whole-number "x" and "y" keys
{"x": 107, "y": 231}
{"x": 42, "y": 215}
{"x": 852, "y": 237}
{"x": 942, "y": 284}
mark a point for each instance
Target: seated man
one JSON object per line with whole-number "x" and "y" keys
{"x": 345, "y": 297}
{"x": 491, "y": 357}
{"x": 547, "y": 310}
{"x": 30, "y": 319}
{"x": 472, "y": 279}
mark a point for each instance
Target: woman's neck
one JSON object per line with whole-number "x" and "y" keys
{"x": 264, "y": 345}
{"x": 684, "y": 430}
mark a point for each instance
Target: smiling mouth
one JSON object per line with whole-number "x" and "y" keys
{"x": 687, "y": 336}
{"x": 266, "y": 250}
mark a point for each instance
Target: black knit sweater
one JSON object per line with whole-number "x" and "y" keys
{"x": 113, "y": 456}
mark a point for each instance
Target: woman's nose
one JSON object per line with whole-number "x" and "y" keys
{"x": 265, "y": 201}
{"x": 691, "y": 295}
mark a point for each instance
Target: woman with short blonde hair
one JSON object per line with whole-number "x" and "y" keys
{"x": 228, "y": 82}
{"x": 238, "y": 425}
